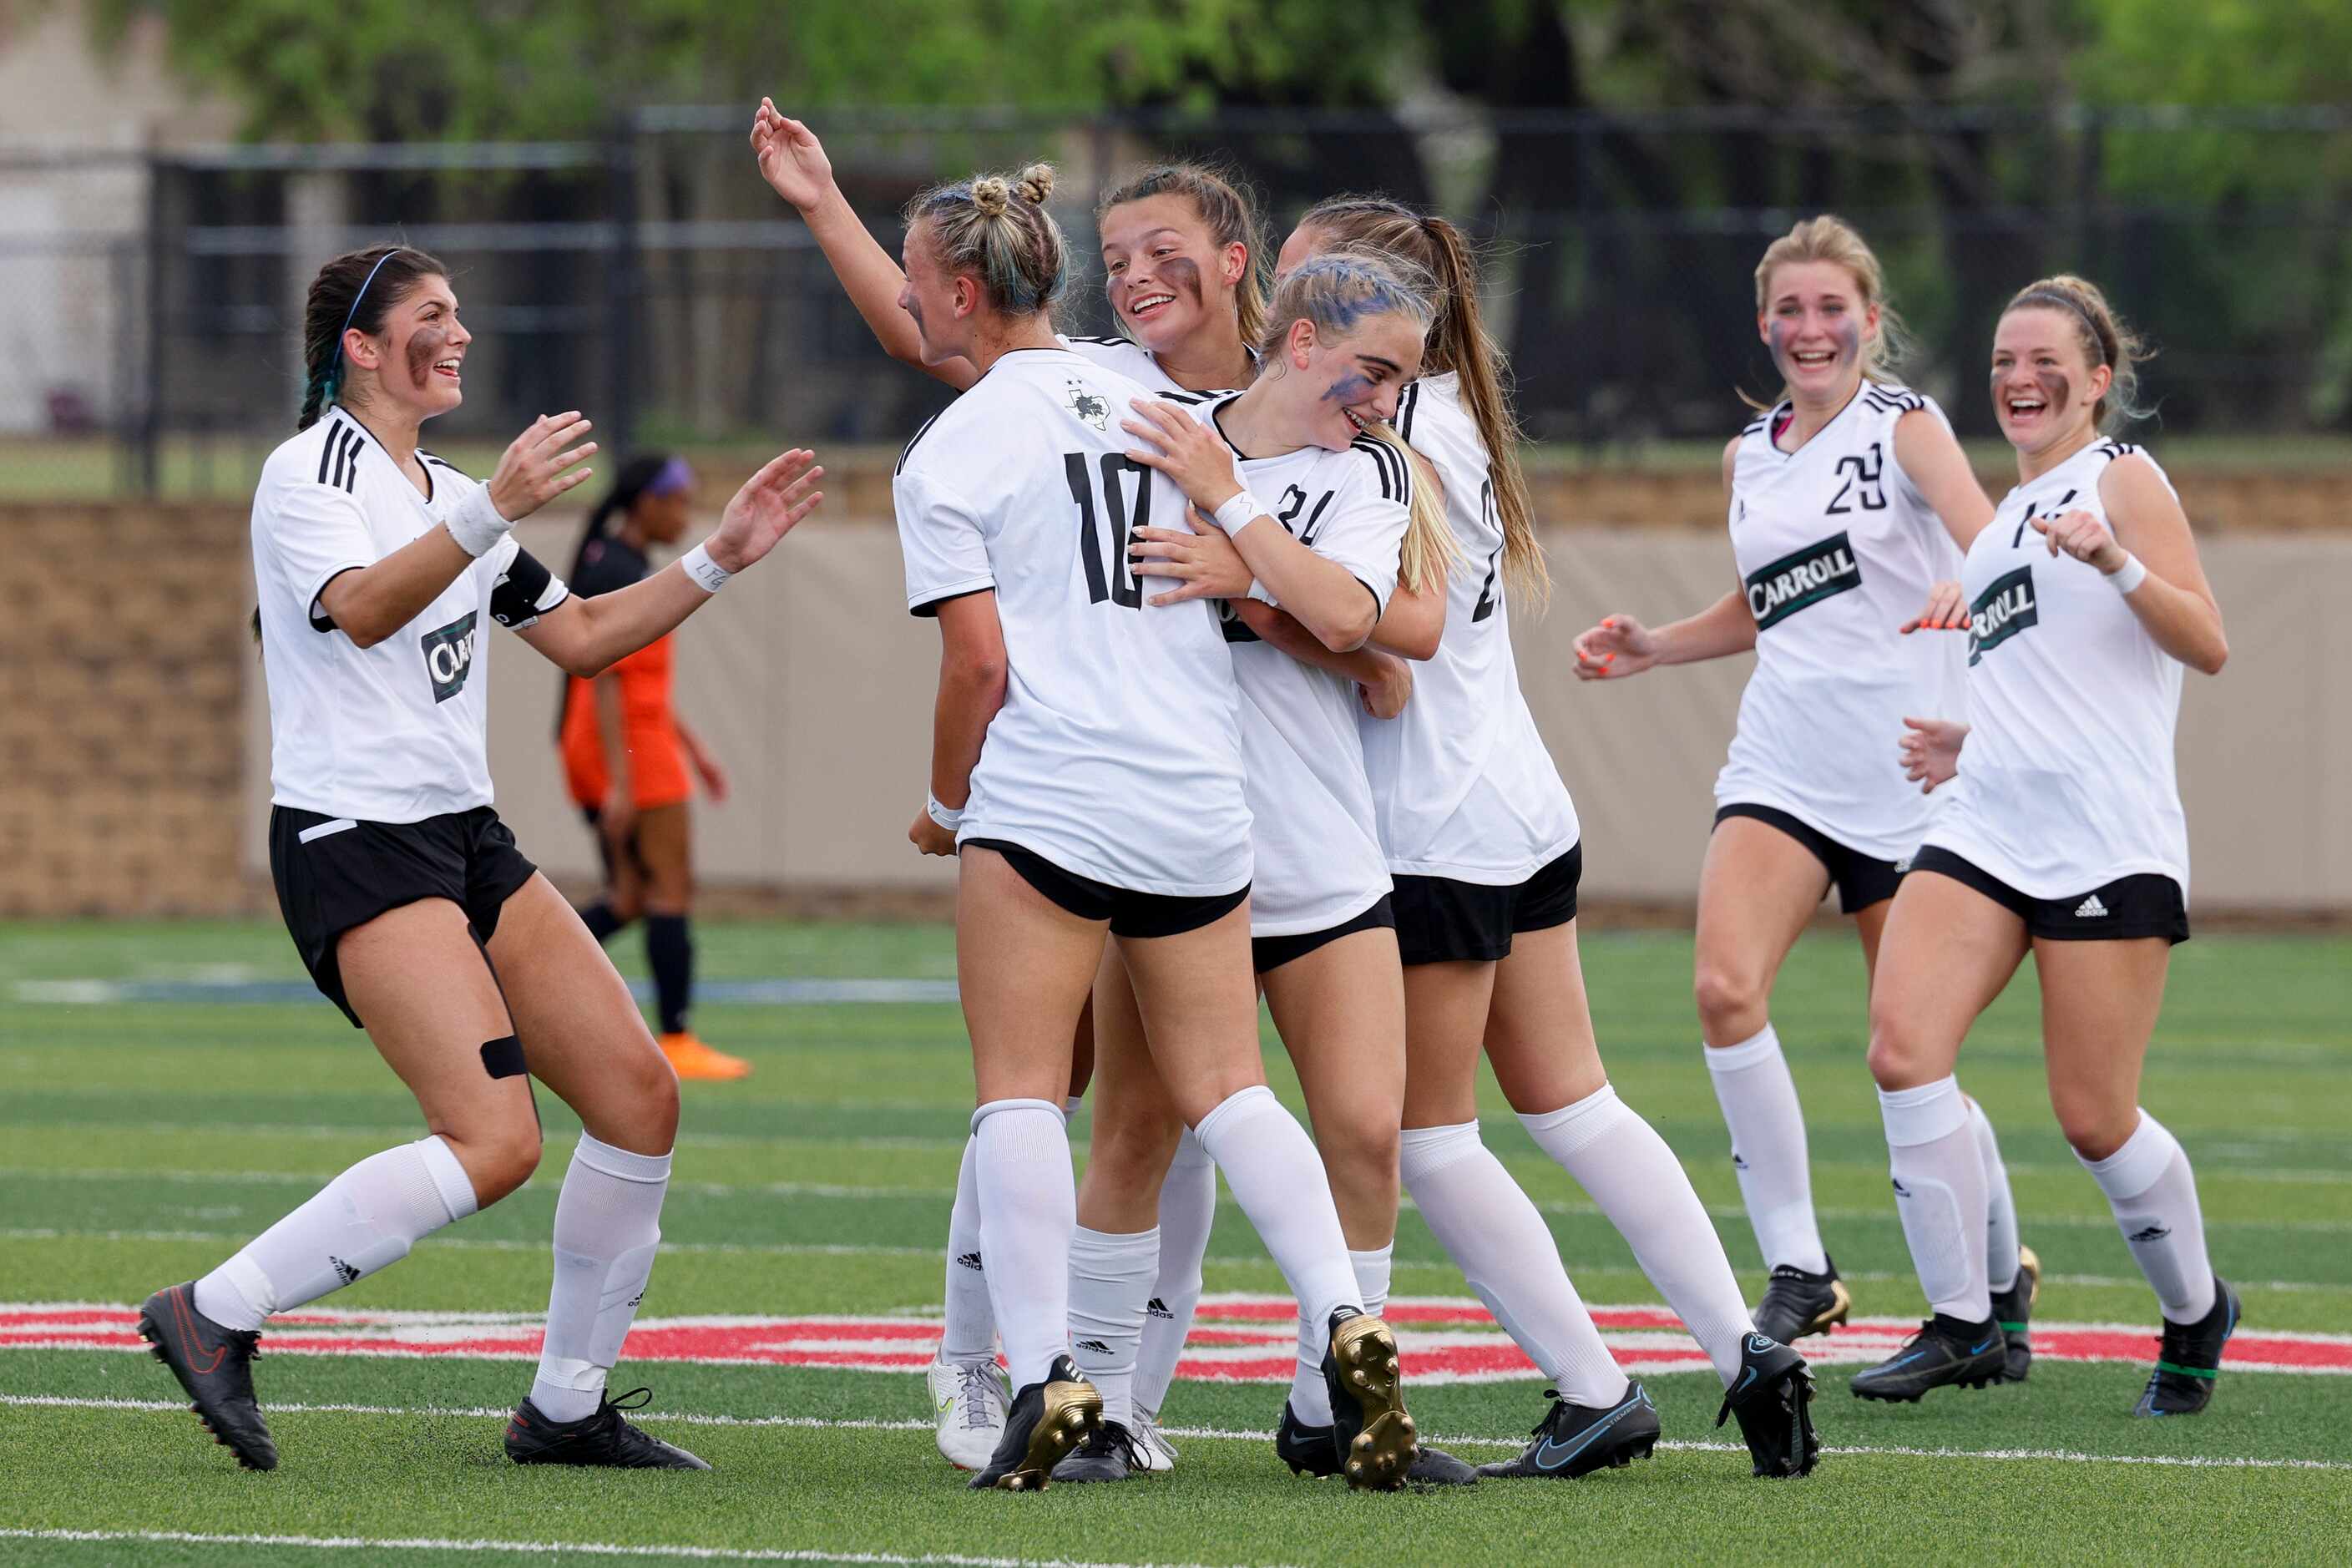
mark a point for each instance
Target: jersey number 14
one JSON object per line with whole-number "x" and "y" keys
{"x": 1117, "y": 583}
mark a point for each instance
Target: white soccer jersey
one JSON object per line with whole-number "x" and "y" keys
{"x": 1129, "y": 359}
{"x": 1837, "y": 548}
{"x": 2066, "y": 781}
{"x": 1464, "y": 786}
{"x": 1117, "y": 754}
{"x": 1315, "y": 838}
{"x": 394, "y": 732}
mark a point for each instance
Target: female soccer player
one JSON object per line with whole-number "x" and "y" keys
{"x": 379, "y": 568}
{"x": 2063, "y": 835}
{"x": 1349, "y": 539}
{"x": 1849, "y": 502}
{"x": 625, "y": 756}
{"x": 1181, "y": 264}
{"x": 1107, "y": 802}
{"x": 1483, "y": 844}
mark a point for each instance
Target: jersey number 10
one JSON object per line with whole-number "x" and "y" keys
{"x": 1117, "y": 585}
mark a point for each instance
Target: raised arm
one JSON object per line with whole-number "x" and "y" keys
{"x": 2150, "y": 557}
{"x": 586, "y": 635}
{"x": 368, "y": 603}
{"x": 792, "y": 161}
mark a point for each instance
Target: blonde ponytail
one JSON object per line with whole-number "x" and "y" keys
{"x": 1459, "y": 342}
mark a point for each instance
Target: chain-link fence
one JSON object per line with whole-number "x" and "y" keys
{"x": 653, "y": 279}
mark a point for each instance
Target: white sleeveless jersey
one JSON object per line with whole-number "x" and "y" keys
{"x": 1837, "y": 548}
{"x": 1316, "y": 842}
{"x": 1117, "y": 754}
{"x": 393, "y": 733}
{"x": 2066, "y": 781}
{"x": 1463, "y": 784}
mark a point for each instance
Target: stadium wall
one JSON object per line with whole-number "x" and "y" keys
{"x": 134, "y": 733}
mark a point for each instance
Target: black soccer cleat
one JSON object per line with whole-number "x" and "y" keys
{"x": 1944, "y": 1351}
{"x": 1314, "y": 1451}
{"x": 2014, "y": 1309}
{"x": 1374, "y": 1436}
{"x": 1108, "y": 1454}
{"x": 601, "y": 1438}
{"x": 216, "y": 1366}
{"x": 1773, "y": 1396}
{"x": 1797, "y": 1303}
{"x": 1574, "y": 1440}
{"x": 1049, "y": 1419}
{"x": 2188, "y": 1358}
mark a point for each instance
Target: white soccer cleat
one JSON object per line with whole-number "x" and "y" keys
{"x": 1151, "y": 1445}
{"x": 970, "y": 1399}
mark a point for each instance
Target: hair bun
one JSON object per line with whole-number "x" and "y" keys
{"x": 990, "y": 194}
{"x": 1036, "y": 184}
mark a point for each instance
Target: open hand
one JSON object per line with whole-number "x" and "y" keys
{"x": 1185, "y": 449}
{"x": 769, "y": 506}
{"x": 792, "y": 159}
{"x": 1200, "y": 559}
{"x": 1930, "y": 750}
{"x": 531, "y": 471}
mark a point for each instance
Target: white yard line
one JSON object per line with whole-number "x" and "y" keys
{"x": 540, "y": 1547}
{"x": 499, "y": 1413}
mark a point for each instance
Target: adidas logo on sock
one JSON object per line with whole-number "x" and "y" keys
{"x": 1159, "y": 1308}
{"x": 1095, "y": 1346}
{"x": 2153, "y": 1233}
{"x": 969, "y": 1260}
{"x": 1900, "y": 1190}
{"x": 343, "y": 1271}
{"x": 1737, "y": 1163}
{"x": 2089, "y": 909}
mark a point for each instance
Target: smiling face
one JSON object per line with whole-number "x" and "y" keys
{"x": 1334, "y": 385}
{"x": 2045, "y": 390}
{"x": 1165, "y": 273}
{"x": 414, "y": 362}
{"x": 1816, "y": 324}
{"x": 941, "y": 302}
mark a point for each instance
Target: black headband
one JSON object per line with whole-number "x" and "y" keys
{"x": 2053, "y": 297}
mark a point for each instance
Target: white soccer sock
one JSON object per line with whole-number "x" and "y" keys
{"x": 1028, "y": 1213}
{"x": 1500, "y": 1243}
{"x": 607, "y": 1226}
{"x": 1939, "y": 1192}
{"x": 2149, "y": 1185}
{"x": 2000, "y": 1208}
{"x": 1188, "y": 1208}
{"x": 1621, "y": 1159}
{"x": 1271, "y": 1166}
{"x": 1767, "y": 1149}
{"x": 363, "y": 1220}
{"x": 969, "y": 1332}
{"x": 1111, "y": 1287}
{"x": 1311, "y": 1398}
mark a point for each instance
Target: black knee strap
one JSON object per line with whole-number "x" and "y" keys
{"x": 503, "y": 1058}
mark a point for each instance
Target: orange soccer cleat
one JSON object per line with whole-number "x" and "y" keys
{"x": 689, "y": 1058}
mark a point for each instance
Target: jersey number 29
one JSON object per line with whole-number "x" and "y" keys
{"x": 1117, "y": 585}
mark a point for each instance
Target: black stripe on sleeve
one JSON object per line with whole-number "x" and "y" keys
{"x": 444, "y": 462}
{"x": 352, "y": 453}
{"x": 1408, "y": 405}
{"x": 920, "y": 432}
{"x": 327, "y": 449}
{"x": 1394, "y": 484}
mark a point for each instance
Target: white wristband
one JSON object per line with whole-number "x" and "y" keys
{"x": 2129, "y": 575}
{"x": 1263, "y": 595}
{"x": 475, "y": 522}
{"x": 708, "y": 575}
{"x": 951, "y": 818}
{"x": 1239, "y": 512}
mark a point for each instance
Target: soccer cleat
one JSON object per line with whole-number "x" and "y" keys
{"x": 1048, "y": 1419}
{"x": 2188, "y": 1358}
{"x": 216, "y": 1366}
{"x": 1797, "y": 1303}
{"x": 1374, "y": 1436}
{"x": 1945, "y": 1351}
{"x": 689, "y": 1058}
{"x": 1314, "y": 1451}
{"x": 1109, "y": 1454}
{"x": 1159, "y": 1454}
{"x": 969, "y": 1398}
{"x": 2014, "y": 1309}
{"x": 1574, "y": 1440}
{"x": 1773, "y": 1396}
{"x": 601, "y": 1438}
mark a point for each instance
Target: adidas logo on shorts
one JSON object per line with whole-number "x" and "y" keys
{"x": 2089, "y": 909}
